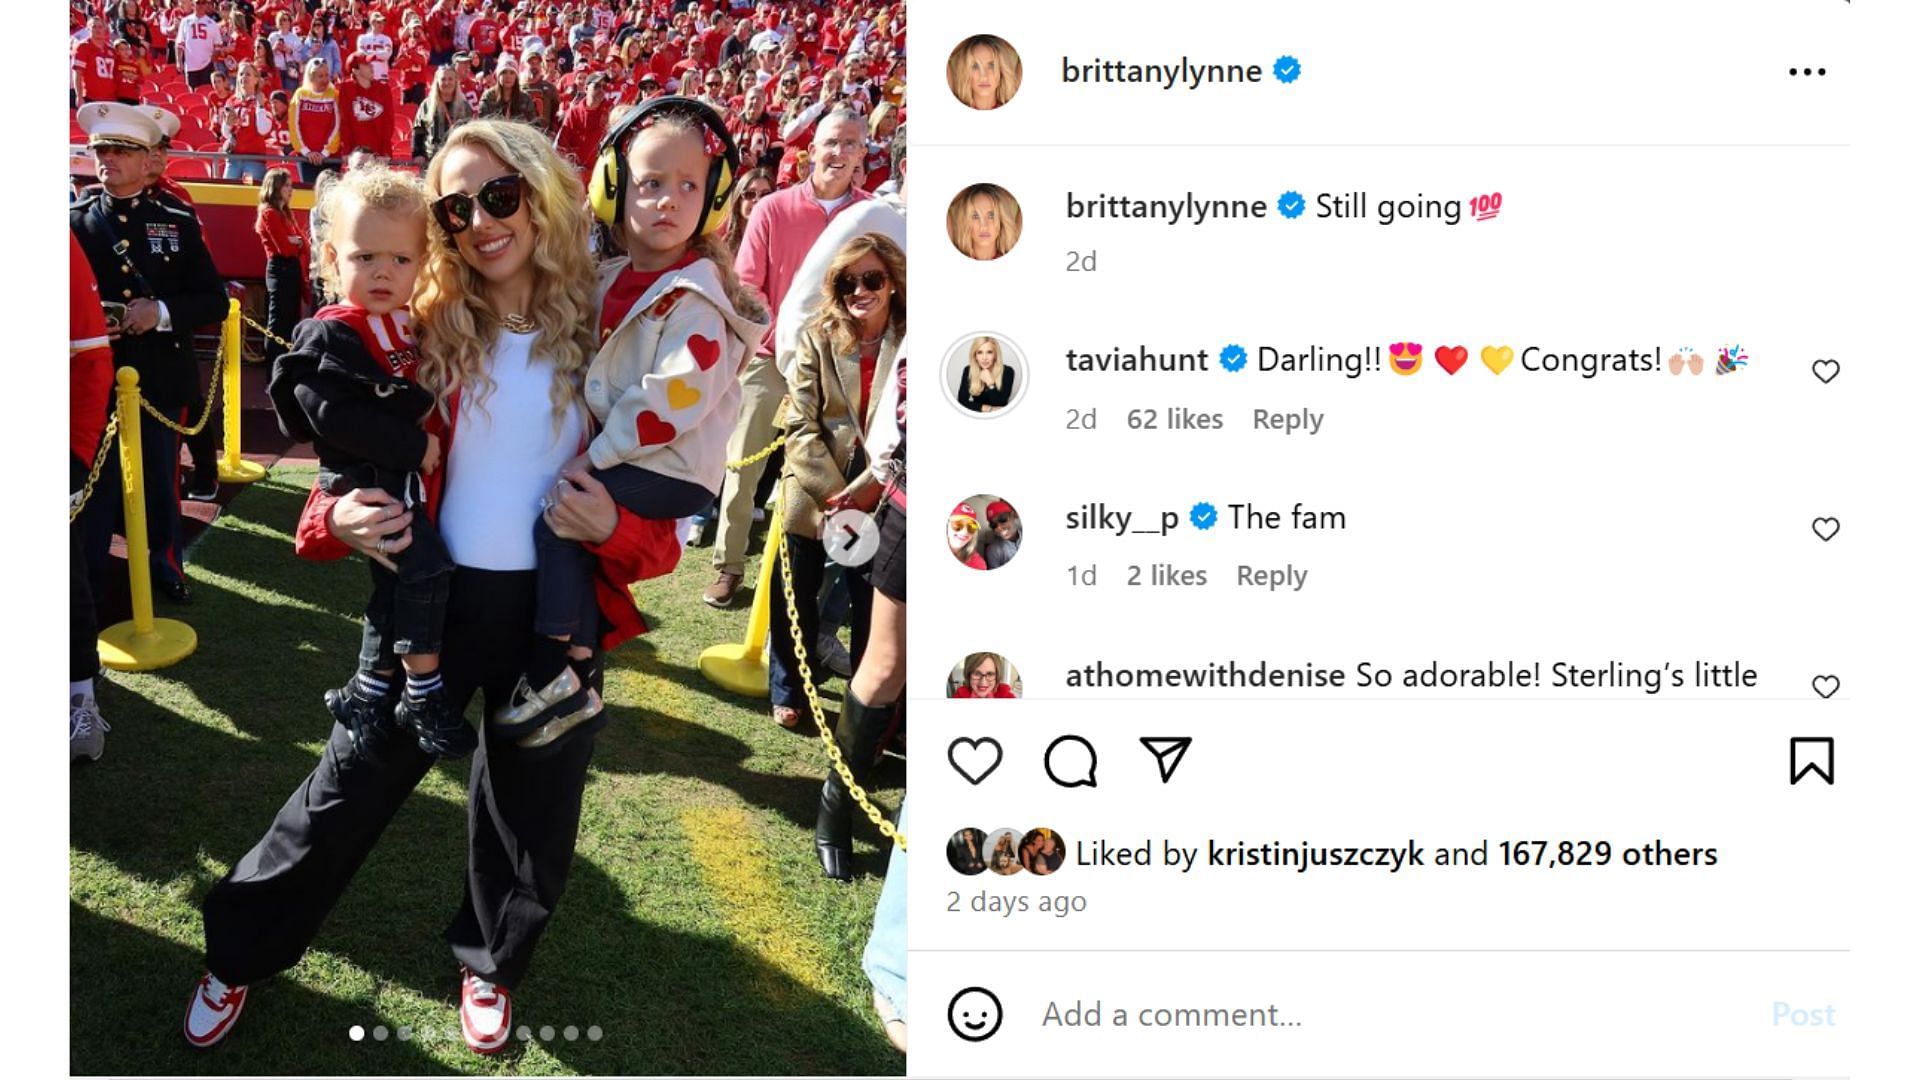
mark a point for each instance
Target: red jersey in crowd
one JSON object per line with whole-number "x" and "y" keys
{"x": 366, "y": 117}
{"x": 581, "y": 128}
{"x": 485, "y": 36}
{"x": 410, "y": 68}
{"x": 742, "y": 130}
{"x": 247, "y": 124}
{"x": 316, "y": 121}
{"x": 128, "y": 75}
{"x": 879, "y": 166}
{"x": 439, "y": 30}
{"x": 98, "y": 75}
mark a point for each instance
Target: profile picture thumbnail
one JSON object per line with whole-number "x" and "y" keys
{"x": 1003, "y": 852}
{"x": 983, "y": 221}
{"x": 984, "y": 532}
{"x": 984, "y": 72}
{"x": 1042, "y": 851}
{"x": 984, "y": 372}
{"x": 983, "y": 675}
{"x": 967, "y": 851}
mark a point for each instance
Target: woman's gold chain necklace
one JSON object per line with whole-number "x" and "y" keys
{"x": 519, "y": 324}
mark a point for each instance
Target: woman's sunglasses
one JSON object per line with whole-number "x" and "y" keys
{"x": 499, "y": 197}
{"x": 872, "y": 281}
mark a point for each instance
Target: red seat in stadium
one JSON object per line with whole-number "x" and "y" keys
{"x": 188, "y": 168}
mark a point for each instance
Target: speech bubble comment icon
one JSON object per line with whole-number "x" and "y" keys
{"x": 1070, "y": 762}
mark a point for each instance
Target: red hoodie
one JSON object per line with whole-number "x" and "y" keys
{"x": 366, "y": 117}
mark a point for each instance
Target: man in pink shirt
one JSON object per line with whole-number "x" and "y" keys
{"x": 781, "y": 231}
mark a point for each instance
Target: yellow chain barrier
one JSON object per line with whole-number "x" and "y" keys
{"x": 99, "y": 461}
{"x": 761, "y": 456}
{"x": 266, "y": 333}
{"x": 206, "y": 413}
{"x": 819, "y": 717}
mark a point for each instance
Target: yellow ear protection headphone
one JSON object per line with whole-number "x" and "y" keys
{"x": 607, "y": 188}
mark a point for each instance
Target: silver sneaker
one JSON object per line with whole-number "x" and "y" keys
{"x": 551, "y": 730}
{"x": 86, "y": 730}
{"x": 528, "y": 707}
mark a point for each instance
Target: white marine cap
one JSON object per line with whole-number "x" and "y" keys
{"x": 109, "y": 123}
{"x": 168, "y": 122}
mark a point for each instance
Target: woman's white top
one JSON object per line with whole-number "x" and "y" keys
{"x": 505, "y": 457}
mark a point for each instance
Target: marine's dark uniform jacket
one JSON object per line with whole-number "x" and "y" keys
{"x": 150, "y": 246}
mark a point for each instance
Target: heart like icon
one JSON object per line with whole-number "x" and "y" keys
{"x": 1826, "y": 370}
{"x": 1826, "y": 528}
{"x": 1826, "y": 685}
{"x": 974, "y": 759}
{"x": 1451, "y": 358}
{"x": 1497, "y": 359}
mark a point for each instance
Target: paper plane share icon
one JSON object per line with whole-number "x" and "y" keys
{"x": 1167, "y": 751}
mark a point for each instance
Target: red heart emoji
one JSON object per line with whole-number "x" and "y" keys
{"x": 1451, "y": 357}
{"x": 653, "y": 430}
{"x": 705, "y": 350}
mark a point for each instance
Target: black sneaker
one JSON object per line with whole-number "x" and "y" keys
{"x": 441, "y": 731}
{"x": 205, "y": 486}
{"x": 361, "y": 714}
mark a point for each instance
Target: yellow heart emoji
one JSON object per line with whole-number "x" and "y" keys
{"x": 682, "y": 396}
{"x": 1497, "y": 359}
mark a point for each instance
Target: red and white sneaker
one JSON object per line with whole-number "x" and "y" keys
{"x": 212, "y": 1010}
{"x": 486, "y": 1014}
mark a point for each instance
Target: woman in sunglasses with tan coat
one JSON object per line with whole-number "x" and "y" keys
{"x": 841, "y": 361}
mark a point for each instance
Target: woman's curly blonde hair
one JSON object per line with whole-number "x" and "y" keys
{"x": 458, "y": 325}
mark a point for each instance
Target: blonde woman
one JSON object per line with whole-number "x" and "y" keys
{"x": 987, "y": 384}
{"x": 443, "y": 109}
{"x": 984, "y": 72}
{"x": 504, "y": 308}
{"x": 314, "y": 121}
{"x": 840, "y": 365}
{"x": 984, "y": 222}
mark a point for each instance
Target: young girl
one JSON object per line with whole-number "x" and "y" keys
{"x": 130, "y": 71}
{"x": 348, "y": 385}
{"x": 279, "y": 233}
{"x": 676, "y": 326}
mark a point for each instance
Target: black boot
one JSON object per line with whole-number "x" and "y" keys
{"x": 858, "y": 737}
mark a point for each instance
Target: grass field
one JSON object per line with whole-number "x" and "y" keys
{"x": 697, "y": 933}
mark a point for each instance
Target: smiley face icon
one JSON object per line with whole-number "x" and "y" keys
{"x": 974, "y": 1014}
{"x": 1404, "y": 357}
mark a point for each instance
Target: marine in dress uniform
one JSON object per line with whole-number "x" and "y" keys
{"x": 147, "y": 252}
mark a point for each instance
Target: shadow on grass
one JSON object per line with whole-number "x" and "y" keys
{"x": 683, "y": 1003}
{"x": 180, "y": 795}
{"x": 665, "y": 1003}
{"x": 130, "y": 993}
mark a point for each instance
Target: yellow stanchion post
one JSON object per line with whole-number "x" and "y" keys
{"x": 145, "y": 642}
{"x": 233, "y": 470}
{"x": 742, "y": 667}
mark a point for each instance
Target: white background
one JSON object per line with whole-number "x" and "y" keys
{"x": 1665, "y": 184}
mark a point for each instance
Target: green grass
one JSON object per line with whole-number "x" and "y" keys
{"x": 697, "y": 931}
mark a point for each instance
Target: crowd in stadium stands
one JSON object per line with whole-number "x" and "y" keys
{"x": 311, "y": 81}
